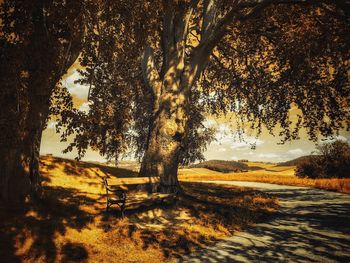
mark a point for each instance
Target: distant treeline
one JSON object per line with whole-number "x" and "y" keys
{"x": 296, "y": 161}
{"x": 224, "y": 166}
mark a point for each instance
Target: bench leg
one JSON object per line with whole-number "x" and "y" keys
{"x": 122, "y": 209}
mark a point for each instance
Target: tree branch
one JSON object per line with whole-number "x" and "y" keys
{"x": 150, "y": 72}
{"x": 253, "y": 8}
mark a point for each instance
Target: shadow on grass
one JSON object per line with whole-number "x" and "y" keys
{"x": 39, "y": 223}
{"x": 202, "y": 213}
{"x": 77, "y": 168}
{"x": 34, "y": 228}
{"x": 172, "y": 244}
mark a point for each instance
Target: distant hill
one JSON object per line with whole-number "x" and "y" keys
{"x": 80, "y": 168}
{"x": 295, "y": 161}
{"x": 222, "y": 166}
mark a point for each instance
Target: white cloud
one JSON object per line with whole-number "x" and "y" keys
{"x": 342, "y": 138}
{"x": 295, "y": 152}
{"x": 246, "y": 143}
{"x": 81, "y": 91}
{"x": 222, "y": 150}
{"x": 235, "y": 158}
{"x": 85, "y": 107}
{"x": 52, "y": 125}
{"x": 209, "y": 123}
{"x": 225, "y": 136}
{"x": 332, "y": 139}
{"x": 223, "y": 140}
{"x": 268, "y": 155}
{"x": 224, "y": 128}
{"x": 222, "y": 132}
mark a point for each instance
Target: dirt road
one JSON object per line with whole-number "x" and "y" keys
{"x": 312, "y": 226}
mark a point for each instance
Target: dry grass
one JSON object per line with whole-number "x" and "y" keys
{"x": 271, "y": 173}
{"x": 70, "y": 224}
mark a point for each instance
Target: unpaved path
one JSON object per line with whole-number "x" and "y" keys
{"x": 312, "y": 226}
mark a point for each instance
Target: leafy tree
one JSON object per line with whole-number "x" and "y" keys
{"x": 157, "y": 68}
{"x": 39, "y": 40}
{"x": 332, "y": 161}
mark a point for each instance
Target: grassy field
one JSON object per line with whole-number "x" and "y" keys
{"x": 270, "y": 173}
{"x": 70, "y": 224}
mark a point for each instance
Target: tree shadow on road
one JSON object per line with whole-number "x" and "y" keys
{"x": 313, "y": 226}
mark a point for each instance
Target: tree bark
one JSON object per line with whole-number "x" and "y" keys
{"x": 32, "y": 71}
{"x": 15, "y": 183}
{"x": 20, "y": 155}
{"x": 164, "y": 144}
{"x": 39, "y": 114}
{"x": 169, "y": 124}
{"x": 171, "y": 88}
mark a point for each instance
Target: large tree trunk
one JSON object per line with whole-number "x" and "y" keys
{"x": 169, "y": 121}
{"x": 171, "y": 88}
{"x": 19, "y": 159}
{"x": 39, "y": 114}
{"x": 19, "y": 172}
{"x": 164, "y": 143}
{"x": 14, "y": 183}
{"x": 30, "y": 70}
{"x": 20, "y": 150}
{"x": 20, "y": 155}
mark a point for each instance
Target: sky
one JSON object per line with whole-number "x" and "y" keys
{"x": 225, "y": 147}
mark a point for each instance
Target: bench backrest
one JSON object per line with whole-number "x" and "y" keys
{"x": 149, "y": 184}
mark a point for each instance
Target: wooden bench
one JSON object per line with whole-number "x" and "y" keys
{"x": 116, "y": 194}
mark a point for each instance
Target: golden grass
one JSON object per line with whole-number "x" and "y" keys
{"x": 284, "y": 175}
{"x": 70, "y": 224}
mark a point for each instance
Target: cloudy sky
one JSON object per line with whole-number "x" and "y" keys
{"x": 226, "y": 147}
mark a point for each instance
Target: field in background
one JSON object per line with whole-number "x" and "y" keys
{"x": 269, "y": 173}
{"x": 71, "y": 225}
{"x": 282, "y": 173}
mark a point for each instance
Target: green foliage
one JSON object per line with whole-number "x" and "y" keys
{"x": 332, "y": 161}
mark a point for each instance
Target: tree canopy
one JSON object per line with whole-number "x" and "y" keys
{"x": 157, "y": 69}
{"x": 254, "y": 59}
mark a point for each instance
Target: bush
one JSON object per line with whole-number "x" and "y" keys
{"x": 310, "y": 168}
{"x": 332, "y": 161}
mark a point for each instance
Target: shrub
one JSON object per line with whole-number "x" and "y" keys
{"x": 310, "y": 168}
{"x": 332, "y": 161}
